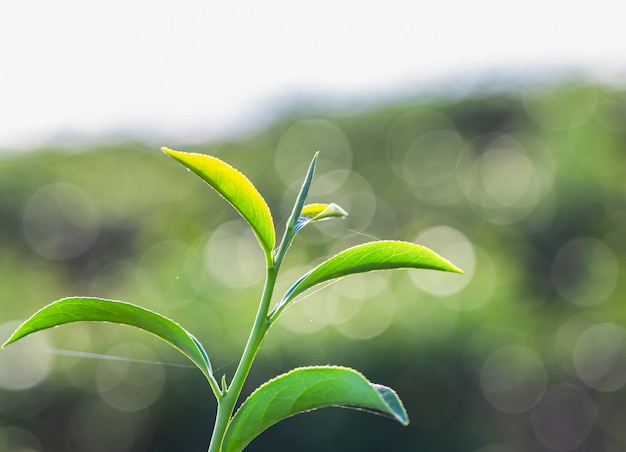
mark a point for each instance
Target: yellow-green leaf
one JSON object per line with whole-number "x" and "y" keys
{"x": 318, "y": 212}
{"x": 236, "y": 189}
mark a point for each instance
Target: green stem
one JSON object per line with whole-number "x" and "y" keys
{"x": 227, "y": 403}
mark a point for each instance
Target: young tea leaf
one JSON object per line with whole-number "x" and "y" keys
{"x": 236, "y": 189}
{"x": 77, "y": 309}
{"x": 380, "y": 255}
{"x": 303, "y": 194}
{"x": 317, "y": 212}
{"x": 306, "y": 389}
{"x": 292, "y": 228}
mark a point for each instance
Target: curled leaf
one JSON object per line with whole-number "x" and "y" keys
{"x": 317, "y": 212}
{"x": 291, "y": 228}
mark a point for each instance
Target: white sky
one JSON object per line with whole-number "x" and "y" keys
{"x": 190, "y": 69}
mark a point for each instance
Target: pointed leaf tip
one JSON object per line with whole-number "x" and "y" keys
{"x": 78, "y": 309}
{"x": 236, "y": 189}
{"x": 294, "y": 218}
{"x": 318, "y": 212}
{"x": 306, "y": 389}
{"x": 372, "y": 256}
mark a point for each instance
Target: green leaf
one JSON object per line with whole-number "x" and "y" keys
{"x": 306, "y": 389}
{"x": 380, "y": 255}
{"x": 236, "y": 189}
{"x": 291, "y": 228}
{"x": 77, "y": 309}
{"x": 317, "y": 212}
{"x": 303, "y": 194}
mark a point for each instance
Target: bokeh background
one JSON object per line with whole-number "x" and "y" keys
{"x": 520, "y": 179}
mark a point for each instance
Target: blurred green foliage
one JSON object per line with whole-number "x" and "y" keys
{"x": 526, "y": 191}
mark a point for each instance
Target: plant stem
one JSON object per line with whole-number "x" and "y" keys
{"x": 227, "y": 403}
{"x": 262, "y": 322}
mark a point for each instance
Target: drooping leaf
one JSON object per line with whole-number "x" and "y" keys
{"x": 379, "y": 255}
{"x": 77, "y": 309}
{"x": 317, "y": 212}
{"x": 236, "y": 189}
{"x": 306, "y": 389}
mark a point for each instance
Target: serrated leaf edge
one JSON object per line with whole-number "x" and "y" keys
{"x": 267, "y": 246}
{"x": 403, "y": 420}
{"x": 196, "y": 342}
{"x": 286, "y": 297}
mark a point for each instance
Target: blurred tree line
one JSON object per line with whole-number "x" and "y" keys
{"x": 525, "y": 190}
